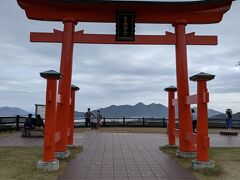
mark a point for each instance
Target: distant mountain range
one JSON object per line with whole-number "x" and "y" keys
{"x": 12, "y": 111}
{"x": 138, "y": 110}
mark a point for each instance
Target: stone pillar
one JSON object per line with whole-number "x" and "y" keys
{"x": 171, "y": 114}
{"x": 71, "y": 118}
{"x": 49, "y": 162}
{"x": 202, "y": 160}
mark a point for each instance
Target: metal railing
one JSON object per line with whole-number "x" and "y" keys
{"x": 151, "y": 122}
{"x": 10, "y": 123}
{"x": 221, "y": 123}
{"x": 17, "y": 122}
{"x": 126, "y": 122}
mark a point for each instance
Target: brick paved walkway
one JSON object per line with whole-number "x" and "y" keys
{"x": 122, "y": 156}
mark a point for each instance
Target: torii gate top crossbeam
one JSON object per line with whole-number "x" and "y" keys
{"x": 194, "y": 12}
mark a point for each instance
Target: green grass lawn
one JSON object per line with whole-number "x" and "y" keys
{"x": 227, "y": 163}
{"x": 20, "y": 163}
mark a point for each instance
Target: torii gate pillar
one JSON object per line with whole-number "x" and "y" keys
{"x": 64, "y": 89}
{"x": 184, "y": 114}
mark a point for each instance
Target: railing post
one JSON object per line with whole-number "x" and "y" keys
{"x": 17, "y": 123}
{"x": 48, "y": 162}
{"x": 104, "y": 121}
{"x": 71, "y": 118}
{"x": 143, "y": 122}
{"x": 123, "y": 121}
{"x": 171, "y": 114}
{"x": 202, "y": 121}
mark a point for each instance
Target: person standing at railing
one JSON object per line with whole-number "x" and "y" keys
{"x": 17, "y": 123}
{"x": 229, "y": 118}
{"x": 28, "y": 125}
{"x": 88, "y": 116}
{"x": 39, "y": 122}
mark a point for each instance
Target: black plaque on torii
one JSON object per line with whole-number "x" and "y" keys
{"x": 125, "y": 26}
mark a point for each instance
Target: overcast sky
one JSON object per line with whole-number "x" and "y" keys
{"x": 115, "y": 74}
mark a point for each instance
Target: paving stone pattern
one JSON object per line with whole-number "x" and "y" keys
{"x": 118, "y": 156}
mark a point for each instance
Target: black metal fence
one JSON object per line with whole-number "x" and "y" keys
{"x": 10, "y": 123}
{"x": 126, "y": 122}
{"x": 221, "y": 123}
{"x": 17, "y": 122}
{"x": 152, "y": 122}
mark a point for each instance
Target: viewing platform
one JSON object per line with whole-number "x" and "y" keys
{"x": 125, "y": 156}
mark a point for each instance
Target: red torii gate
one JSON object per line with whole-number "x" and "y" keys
{"x": 179, "y": 14}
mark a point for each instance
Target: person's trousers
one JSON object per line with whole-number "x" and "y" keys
{"x": 87, "y": 123}
{"x": 194, "y": 125}
{"x": 229, "y": 123}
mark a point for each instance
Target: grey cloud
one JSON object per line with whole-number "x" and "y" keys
{"x": 110, "y": 74}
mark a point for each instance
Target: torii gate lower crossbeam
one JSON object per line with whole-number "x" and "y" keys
{"x": 80, "y": 37}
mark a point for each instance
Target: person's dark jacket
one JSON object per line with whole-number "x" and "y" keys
{"x": 39, "y": 122}
{"x": 28, "y": 122}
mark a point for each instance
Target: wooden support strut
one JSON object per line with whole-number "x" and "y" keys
{"x": 175, "y": 102}
{"x": 79, "y": 37}
{"x": 57, "y": 137}
{"x": 176, "y": 132}
{"x": 191, "y": 137}
{"x": 193, "y": 99}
